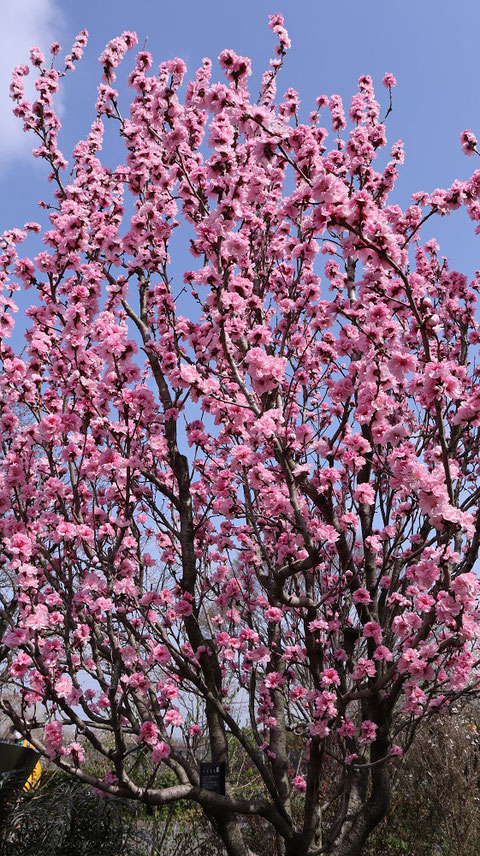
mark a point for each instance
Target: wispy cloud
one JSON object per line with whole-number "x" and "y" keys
{"x": 23, "y": 23}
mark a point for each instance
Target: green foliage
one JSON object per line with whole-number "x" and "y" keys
{"x": 62, "y": 817}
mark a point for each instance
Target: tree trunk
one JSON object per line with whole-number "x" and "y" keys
{"x": 231, "y": 835}
{"x": 362, "y": 816}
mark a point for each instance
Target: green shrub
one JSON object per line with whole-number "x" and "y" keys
{"x": 62, "y": 817}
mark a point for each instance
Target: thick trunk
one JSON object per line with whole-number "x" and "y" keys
{"x": 231, "y": 835}
{"x": 356, "y": 835}
{"x": 295, "y": 847}
{"x": 362, "y": 815}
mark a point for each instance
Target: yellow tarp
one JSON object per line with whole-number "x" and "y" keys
{"x": 34, "y": 777}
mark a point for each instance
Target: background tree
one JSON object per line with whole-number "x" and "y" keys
{"x": 436, "y": 793}
{"x": 257, "y": 482}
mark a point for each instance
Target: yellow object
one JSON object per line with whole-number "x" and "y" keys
{"x": 34, "y": 777}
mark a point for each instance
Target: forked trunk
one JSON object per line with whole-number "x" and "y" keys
{"x": 362, "y": 815}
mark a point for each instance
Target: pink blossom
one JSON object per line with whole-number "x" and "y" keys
{"x": 372, "y": 630}
{"x": 394, "y": 435}
{"x": 21, "y": 544}
{"x": 368, "y": 731}
{"x": 361, "y": 595}
{"x": 364, "y": 668}
{"x": 273, "y": 680}
{"x": 468, "y": 141}
{"x": 15, "y": 637}
{"x": 235, "y": 246}
{"x": 237, "y": 68}
{"x": 20, "y": 665}
{"x": 347, "y": 728}
{"x": 103, "y": 603}
{"x": 276, "y": 24}
{"x": 260, "y": 654}
{"x": 36, "y": 56}
{"x": 173, "y": 717}
{"x": 273, "y": 614}
{"x": 319, "y": 729}
{"x": 364, "y": 493}
{"x": 161, "y": 750}
{"x": 389, "y": 80}
{"x": 401, "y": 364}
{"x": 266, "y": 371}
{"x": 466, "y": 585}
{"x": 148, "y": 733}
{"x": 49, "y": 426}
{"x": 38, "y": 620}
{"x": 299, "y": 784}
{"x": 161, "y": 654}
{"x": 330, "y": 677}
{"x": 63, "y": 686}
{"x": 53, "y": 738}
{"x": 383, "y": 653}
{"x": 77, "y": 753}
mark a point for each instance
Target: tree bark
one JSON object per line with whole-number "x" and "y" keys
{"x": 363, "y": 815}
{"x": 231, "y": 835}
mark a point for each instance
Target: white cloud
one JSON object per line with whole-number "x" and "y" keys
{"x": 23, "y": 23}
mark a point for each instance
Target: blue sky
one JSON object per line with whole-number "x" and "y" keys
{"x": 430, "y": 45}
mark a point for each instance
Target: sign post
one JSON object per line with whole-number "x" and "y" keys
{"x": 212, "y": 776}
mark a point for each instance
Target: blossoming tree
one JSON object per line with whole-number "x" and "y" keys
{"x": 262, "y": 481}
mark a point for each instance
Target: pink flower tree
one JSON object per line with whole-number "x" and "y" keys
{"x": 260, "y": 483}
